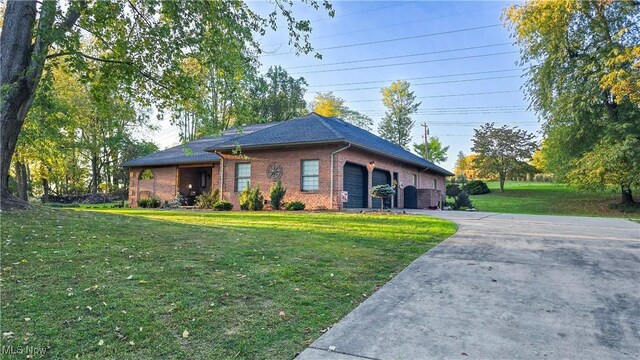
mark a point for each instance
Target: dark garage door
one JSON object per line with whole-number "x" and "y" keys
{"x": 380, "y": 177}
{"x": 355, "y": 182}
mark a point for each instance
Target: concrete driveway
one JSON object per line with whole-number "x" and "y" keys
{"x": 505, "y": 287}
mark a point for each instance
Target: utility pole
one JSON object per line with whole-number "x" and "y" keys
{"x": 426, "y": 133}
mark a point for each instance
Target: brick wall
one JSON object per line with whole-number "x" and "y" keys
{"x": 430, "y": 198}
{"x": 405, "y": 172}
{"x": 163, "y": 184}
{"x": 290, "y": 159}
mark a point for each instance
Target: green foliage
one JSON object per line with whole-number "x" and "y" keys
{"x": 436, "y": 152}
{"x": 149, "y": 202}
{"x": 329, "y": 105}
{"x": 277, "y": 193}
{"x": 502, "y": 151}
{"x": 397, "y": 123}
{"x": 452, "y": 190}
{"x": 251, "y": 198}
{"x": 462, "y": 202}
{"x": 585, "y": 84}
{"x": 207, "y": 200}
{"x": 277, "y": 96}
{"x": 476, "y": 187}
{"x": 146, "y": 174}
{"x": 294, "y": 206}
{"x": 223, "y": 206}
{"x": 382, "y": 192}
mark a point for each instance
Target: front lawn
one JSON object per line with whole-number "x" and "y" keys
{"x": 126, "y": 283}
{"x": 548, "y": 198}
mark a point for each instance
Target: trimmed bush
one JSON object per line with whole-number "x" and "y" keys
{"x": 462, "y": 202}
{"x": 294, "y": 206}
{"x": 251, "y": 199}
{"x": 223, "y": 206}
{"x": 382, "y": 192}
{"x": 207, "y": 200}
{"x": 476, "y": 187}
{"x": 277, "y": 193}
{"x": 149, "y": 202}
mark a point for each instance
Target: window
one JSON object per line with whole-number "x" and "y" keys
{"x": 310, "y": 175}
{"x": 415, "y": 180}
{"x": 243, "y": 176}
{"x": 435, "y": 183}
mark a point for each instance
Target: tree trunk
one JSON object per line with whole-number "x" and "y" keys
{"x": 627, "y": 196}
{"x": 94, "y": 174}
{"x": 45, "y": 187}
{"x": 18, "y": 86}
{"x": 21, "y": 180}
{"x": 502, "y": 179}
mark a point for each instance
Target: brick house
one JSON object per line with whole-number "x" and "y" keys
{"x": 324, "y": 162}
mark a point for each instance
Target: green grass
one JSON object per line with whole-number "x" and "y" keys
{"x": 119, "y": 275}
{"x": 548, "y": 198}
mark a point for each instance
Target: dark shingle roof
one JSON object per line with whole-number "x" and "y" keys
{"x": 193, "y": 151}
{"x": 313, "y": 128}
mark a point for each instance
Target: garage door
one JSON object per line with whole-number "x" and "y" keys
{"x": 380, "y": 177}
{"x": 355, "y": 183}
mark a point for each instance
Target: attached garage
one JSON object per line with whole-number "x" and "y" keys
{"x": 355, "y": 184}
{"x": 380, "y": 177}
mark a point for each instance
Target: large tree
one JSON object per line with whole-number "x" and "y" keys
{"x": 434, "y": 152}
{"x": 397, "y": 123}
{"x": 584, "y": 81}
{"x": 328, "y": 104}
{"x": 502, "y": 151}
{"x": 278, "y": 96}
{"x": 146, "y": 41}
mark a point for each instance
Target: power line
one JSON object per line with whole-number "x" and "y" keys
{"x": 405, "y": 63}
{"x": 461, "y": 107}
{"x": 393, "y": 40}
{"x": 436, "y": 82}
{"x": 401, "y": 56}
{"x": 415, "y": 78}
{"x": 450, "y": 95}
{"x": 380, "y": 27}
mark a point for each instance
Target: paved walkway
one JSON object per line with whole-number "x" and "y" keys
{"x": 505, "y": 287}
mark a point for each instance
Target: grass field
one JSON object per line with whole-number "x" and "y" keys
{"x": 548, "y": 198}
{"x": 145, "y": 284}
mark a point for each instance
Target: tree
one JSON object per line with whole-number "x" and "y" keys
{"x": 397, "y": 123}
{"x": 584, "y": 82}
{"x": 329, "y": 105}
{"x": 278, "y": 96}
{"x": 382, "y": 192}
{"x": 144, "y": 42}
{"x": 436, "y": 153}
{"x": 502, "y": 151}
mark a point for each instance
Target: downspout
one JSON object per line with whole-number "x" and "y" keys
{"x": 332, "y": 158}
{"x": 221, "y": 178}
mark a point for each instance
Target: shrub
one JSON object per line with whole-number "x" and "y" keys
{"x": 476, "y": 187}
{"x": 251, "y": 198}
{"x": 277, "y": 193}
{"x": 462, "y": 202}
{"x": 223, "y": 206}
{"x": 207, "y": 200}
{"x": 149, "y": 202}
{"x": 452, "y": 190}
{"x": 294, "y": 206}
{"x": 382, "y": 192}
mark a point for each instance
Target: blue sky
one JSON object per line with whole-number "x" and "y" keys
{"x": 449, "y": 44}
